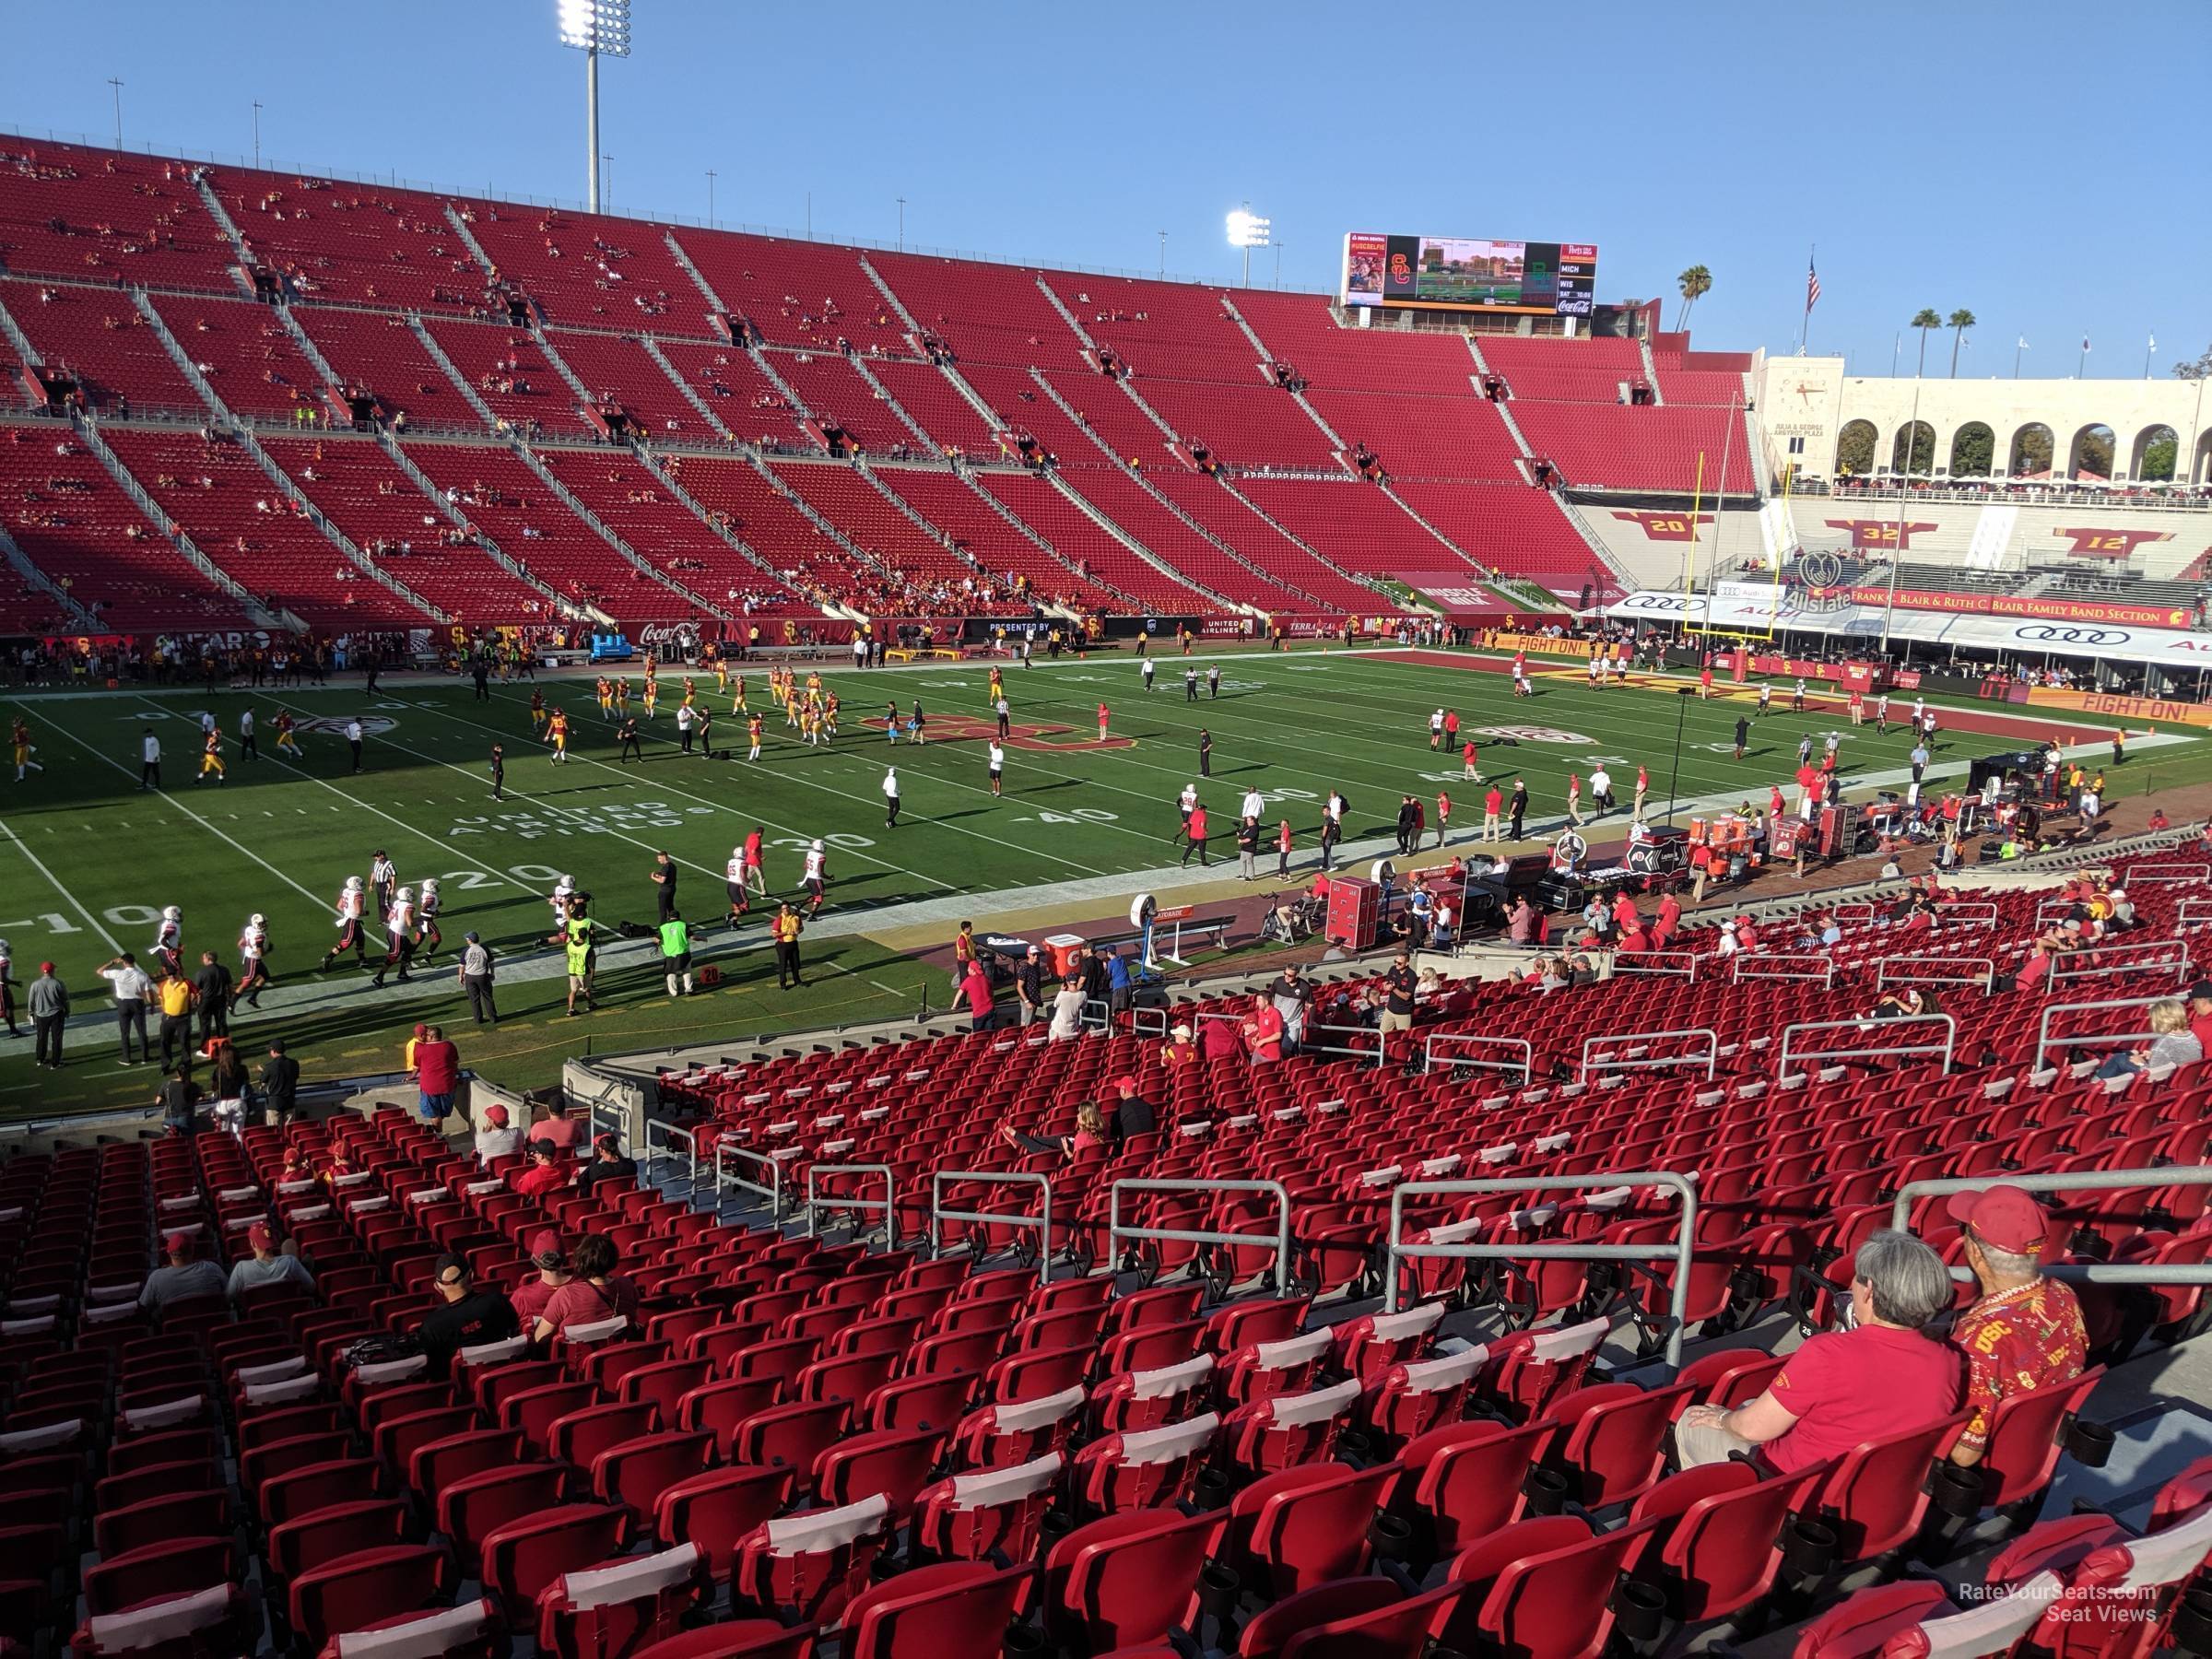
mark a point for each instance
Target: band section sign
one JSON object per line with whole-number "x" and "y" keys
{"x": 1460, "y": 273}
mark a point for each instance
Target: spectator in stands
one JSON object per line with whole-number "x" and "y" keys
{"x": 2123, "y": 910}
{"x": 185, "y": 1274}
{"x": 267, "y": 1265}
{"x": 595, "y": 1292}
{"x": 437, "y": 1074}
{"x": 608, "y": 1163}
{"x": 1398, "y": 988}
{"x": 1067, "y": 1011}
{"x": 1133, "y": 1113}
{"x": 1179, "y": 1052}
{"x": 975, "y": 989}
{"x": 1090, "y": 1131}
{"x": 1843, "y": 1387}
{"x": 1521, "y": 926}
{"x": 2024, "y": 1332}
{"x": 548, "y": 1171}
{"x": 468, "y": 1315}
{"x": 2172, "y": 1044}
{"x": 179, "y": 1099}
{"x": 496, "y": 1137}
{"x": 279, "y": 1085}
{"x": 2036, "y": 970}
{"x": 552, "y": 1265}
{"x": 557, "y": 1128}
{"x": 1263, "y": 1030}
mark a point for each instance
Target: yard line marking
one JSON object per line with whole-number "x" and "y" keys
{"x": 188, "y": 812}
{"x": 75, "y": 903}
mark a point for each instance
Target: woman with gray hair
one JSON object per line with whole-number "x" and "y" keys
{"x": 1879, "y": 1374}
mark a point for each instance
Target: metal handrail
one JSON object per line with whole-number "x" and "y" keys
{"x": 655, "y": 1151}
{"x": 1525, "y": 1065}
{"x": 1101, "y": 1021}
{"x": 725, "y": 1148}
{"x": 1666, "y": 1180}
{"x": 1709, "y": 1059}
{"x": 1042, "y": 1223}
{"x": 2158, "y": 874}
{"x": 1139, "y": 1016}
{"x": 831, "y": 1202}
{"x": 2181, "y": 917}
{"x": 1676, "y": 964}
{"x": 1306, "y": 1045}
{"x": 2045, "y": 1041}
{"x": 2146, "y": 957}
{"x": 2088, "y": 1180}
{"x": 1280, "y": 1239}
{"x": 1965, "y": 915}
{"x": 1908, "y": 975}
{"x": 1764, "y": 964}
{"x": 1885, "y": 1050}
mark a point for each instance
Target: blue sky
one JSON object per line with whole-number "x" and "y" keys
{"x": 2046, "y": 175}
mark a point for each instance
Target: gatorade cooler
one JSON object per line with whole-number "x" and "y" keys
{"x": 1064, "y": 953}
{"x": 1355, "y": 913}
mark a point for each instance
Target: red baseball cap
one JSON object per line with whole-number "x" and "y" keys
{"x": 2003, "y": 1215}
{"x": 544, "y": 1247}
{"x": 496, "y": 1115}
{"x": 178, "y": 1243}
{"x": 1128, "y": 1084}
{"x": 259, "y": 1236}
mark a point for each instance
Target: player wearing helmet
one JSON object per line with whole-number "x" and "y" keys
{"x": 733, "y": 884}
{"x": 7, "y": 992}
{"x": 252, "y": 961}
{"x": 353, "y": 899}
{"x": 426, "y": 911}
{"x": 168, "y": 938}
{"x": 817, "y": 877}
{"x": 399, "y": 936}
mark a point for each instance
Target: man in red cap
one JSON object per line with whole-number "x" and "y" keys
{"x": 1133, "y": 1115}
{"x": 267, "y": 1265}
{"x": 186, "y": 1274}
{"x": 496, "y": 1135}
{"x": 2025, "y": 1331}
{"x": 552, "y": 1263}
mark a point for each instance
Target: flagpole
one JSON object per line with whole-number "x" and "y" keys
{"x": 2081, "y": 368}
{"x": 1805, "y": 329}
{"x": 2148, "y": 349}
{"x": 2019, "y": 345}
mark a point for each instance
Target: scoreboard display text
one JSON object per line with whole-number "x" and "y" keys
{"x": 1458, "y": 273}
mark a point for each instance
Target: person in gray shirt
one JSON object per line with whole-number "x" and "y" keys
{"x": 185, "y": 1276}
{"x": 267, "y": 1265}
{"x": 48, "y": 1003}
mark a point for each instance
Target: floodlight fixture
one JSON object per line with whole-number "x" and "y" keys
{"x": 592, "y": 26}
{"x": 1248, "y": 231}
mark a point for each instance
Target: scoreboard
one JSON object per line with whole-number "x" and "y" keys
{"x": 1459, "y": 273}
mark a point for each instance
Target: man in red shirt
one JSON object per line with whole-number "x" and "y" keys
{"x": 557, "y": 1129}
{"x": 548, "y": 1173}
{"x": 1195, "y": 828}
{"x": 2025, "y": 1331}
{"x": 1468, "y": 756}
{"x": 754, "y": 877}
{"x": 552, "y": 1265}
{"x": 1264, "y": 1031}
{"x": 2200, "y": 1013}
{"x": 1625, "y": 917}
{"x": 1670, "y": 921}
{"x": 437, "y": 1074}
{"x": 1443, "y": 816}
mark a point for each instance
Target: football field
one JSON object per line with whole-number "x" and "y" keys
{"x": 91, "y": 859}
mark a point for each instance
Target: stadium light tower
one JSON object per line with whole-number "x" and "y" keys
{"x": 594, "y": 26}
{"x": 1248, "y": 231}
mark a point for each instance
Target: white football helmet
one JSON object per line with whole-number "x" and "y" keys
{"x": 256, "y": 920}
{"x": 407, "y": 895}
{"x": 4, "y": 949}
{"x": 171, "y": 912}
{"x": 429, "y": 884}
{"x": 353, "y": 884}
{"x": 817, "y": 846}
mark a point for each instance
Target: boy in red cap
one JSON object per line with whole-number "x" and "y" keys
{"x": 2024, "y": 1332}
{"x": 552, "y": 1263}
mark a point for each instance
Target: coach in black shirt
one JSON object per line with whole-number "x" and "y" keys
{"x": 213, "y": 982}
{"x": 280, "y": 1083}
{"x": 470, "y": 1315}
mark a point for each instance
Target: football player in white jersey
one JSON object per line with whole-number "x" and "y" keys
{"x": 353, "y": 899}
{"x": 168, "y": 939}
{"x": 425, "y": 915}
{"x": 252, "y": 961}
{"x": 399, "y": 936}
{"x": 817, "y": 877}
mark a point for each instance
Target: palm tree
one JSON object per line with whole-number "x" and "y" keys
{"x": 1924, "y": 320}
{"x": 1696, "y": 282}
{"x": 1961, "y": 321}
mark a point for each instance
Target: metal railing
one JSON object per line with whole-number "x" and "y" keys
{"x": 1965, "y": 915}
{"x": 2192, "y": 912}
{"x": 1666, "y": 1181}
{"x": 1672, "y": 964}
{"x": 726, "y": 1149}
{"x": 2157, "y": 874}
{"x": 816, "y": 1202}
{"x": 670, "y": 1138}
{"x": 1784, "y": 965}
{"x": 2117, "y": 962}
{"x": 1043, "y": 1222}
{"x": 1905, "y": 970}
{"x": 1306, "y": 1045}
{"x": 2139, "y": 1032}
{"x": 1148, "y": 1022}
{"x": 2087, "y": 1181}
{"x": 1280, "y": 1238}
{"x": 1710, "y": 1059}
{"x": 1525, "y": 1065}
{"x": 1894, "y": 1050}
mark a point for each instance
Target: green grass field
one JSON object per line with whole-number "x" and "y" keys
{"x": 93, "y": 860}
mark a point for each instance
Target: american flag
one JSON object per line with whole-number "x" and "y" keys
{"x": 1812, "y": 285}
